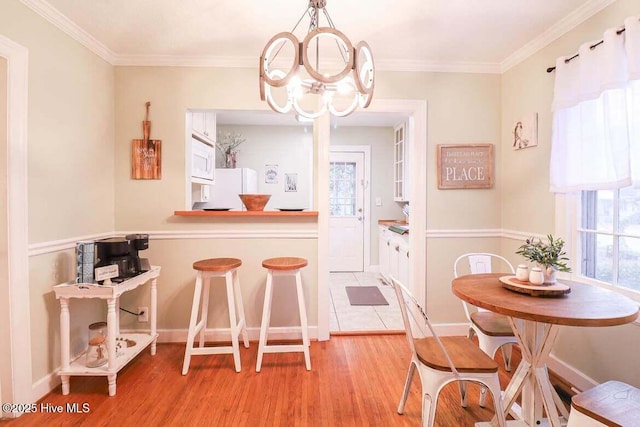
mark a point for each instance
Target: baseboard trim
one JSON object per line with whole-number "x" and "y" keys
{"x": 222, "y": 334}
{"x": 576, "y": 378}
{"x": 279, "y": 333}
{"x": 45, "y": 385}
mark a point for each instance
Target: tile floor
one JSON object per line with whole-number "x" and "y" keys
{"x": 345, "y": 317}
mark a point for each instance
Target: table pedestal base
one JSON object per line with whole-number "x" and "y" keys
{"x": 518, "y": 423}
{"x": 531, "y": 379}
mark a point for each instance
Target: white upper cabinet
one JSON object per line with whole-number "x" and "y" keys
{"x": 203, "y": 125}
{"x": 400, "y": 163}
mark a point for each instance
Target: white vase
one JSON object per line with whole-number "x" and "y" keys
{"x": 536, "y": 276}
{"x": 522, "y": 273}
{"x": 549, "y": 274}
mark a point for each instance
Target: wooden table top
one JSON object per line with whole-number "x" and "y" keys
{"x": 586, "y": 305}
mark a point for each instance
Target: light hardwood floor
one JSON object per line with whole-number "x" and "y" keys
{"x": 354, "y": 381}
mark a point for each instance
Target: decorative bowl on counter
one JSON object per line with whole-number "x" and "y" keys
{"x": 254, "y": 202}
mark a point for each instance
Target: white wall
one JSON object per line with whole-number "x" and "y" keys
{"x": 601, "y": 353}
{"x": 288, "y": 147}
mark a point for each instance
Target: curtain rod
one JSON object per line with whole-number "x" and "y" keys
{"x": 551, "y": 69}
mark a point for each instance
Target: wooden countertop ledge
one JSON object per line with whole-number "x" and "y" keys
{"x": 247, "y": 213}
{"x": 388, "y": 222}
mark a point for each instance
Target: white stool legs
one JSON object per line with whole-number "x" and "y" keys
{"x": 236, "y": 318}
{"x": 266, "y": 317}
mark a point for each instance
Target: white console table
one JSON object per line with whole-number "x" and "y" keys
{"x": 110, "y": 293}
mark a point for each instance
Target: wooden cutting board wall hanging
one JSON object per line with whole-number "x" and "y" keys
{"x": 146, "y": 158}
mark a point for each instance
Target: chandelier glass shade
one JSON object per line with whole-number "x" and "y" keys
{"x": 294, "y": 76}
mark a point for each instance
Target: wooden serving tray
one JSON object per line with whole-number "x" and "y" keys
{"x": 513, "y": 284}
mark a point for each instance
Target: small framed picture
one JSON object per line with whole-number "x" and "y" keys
{"x": 290, "y": 182}
{"x": 525, "y": 132}
{"x": 465, "y": 166}
{"x": 270, "y": 174}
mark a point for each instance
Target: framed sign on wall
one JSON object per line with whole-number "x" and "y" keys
{"x": 464, "y": 166}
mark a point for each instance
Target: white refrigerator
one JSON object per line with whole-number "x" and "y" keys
{"x": 228, "y": 184}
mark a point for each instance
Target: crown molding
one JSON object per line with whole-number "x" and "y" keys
{"x": 437, "y": 67}
{"x": 559, "y": 29}
{"x": 250, "y": 62}
{"x": 52, "y": 15}
{"x": 184, "y": 61}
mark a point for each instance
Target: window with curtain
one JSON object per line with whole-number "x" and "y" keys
{"x": 596, "y": 152}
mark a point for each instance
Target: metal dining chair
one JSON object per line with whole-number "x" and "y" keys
{"x": 492, "y": 329}
{"x": 440, "y": 361}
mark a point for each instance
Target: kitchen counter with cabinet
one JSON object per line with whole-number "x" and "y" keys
{"x": 393, "y": 251}
{"x": 389, "y": 222}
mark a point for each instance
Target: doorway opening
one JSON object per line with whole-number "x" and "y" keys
{"x": 414, "y": 111}
{"x": 361, "y": 193}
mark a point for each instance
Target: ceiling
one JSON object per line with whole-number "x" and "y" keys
{"x": 487, "y": 36}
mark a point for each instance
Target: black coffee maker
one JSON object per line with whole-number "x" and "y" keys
{"x": 123, "y": 252}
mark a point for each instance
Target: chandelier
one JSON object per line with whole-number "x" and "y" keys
{"x": 293, "y": 75}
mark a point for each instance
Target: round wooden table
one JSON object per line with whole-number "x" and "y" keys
{"x": 535, "y": 322}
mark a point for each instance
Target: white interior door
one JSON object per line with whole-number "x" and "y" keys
{"x": 346, "y": 211}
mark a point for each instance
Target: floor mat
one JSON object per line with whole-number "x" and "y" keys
{"x": 365, "y": 295}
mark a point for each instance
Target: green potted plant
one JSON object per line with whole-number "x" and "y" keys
{"x": 549, "y": 256}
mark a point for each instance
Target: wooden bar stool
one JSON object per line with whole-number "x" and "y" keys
{"x": 612, "y": 403}
{"x": 206, "y": 269}
{"x": 279, "y": 267}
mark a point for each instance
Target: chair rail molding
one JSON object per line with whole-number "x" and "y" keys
{"x": 480, "y": 233}
{"x": 52, "y": 246}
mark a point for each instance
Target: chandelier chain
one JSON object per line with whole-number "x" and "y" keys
{"x": 306, "y": 12}
{"x": 330, "y": 21}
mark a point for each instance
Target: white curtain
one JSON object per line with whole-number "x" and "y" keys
{"x": 596, "y": 114}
